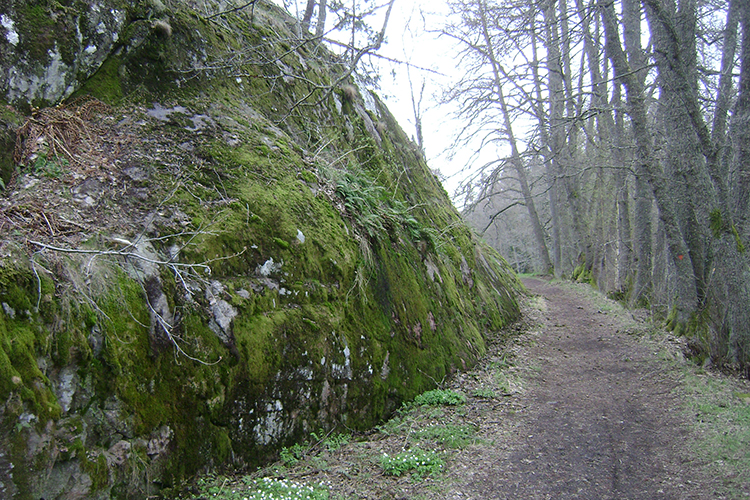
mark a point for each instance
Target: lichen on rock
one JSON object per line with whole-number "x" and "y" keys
{"x": 48, "y": 50}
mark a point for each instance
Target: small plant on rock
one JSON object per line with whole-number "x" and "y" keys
{"x": 484, "y": 393}
{"x": 331, "y": 442}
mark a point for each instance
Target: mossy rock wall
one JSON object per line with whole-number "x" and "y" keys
{"x": 246, "y": 251}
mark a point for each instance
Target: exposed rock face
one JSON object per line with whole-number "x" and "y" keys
{"x": 46, "y": 53}
{"x": 229, "y": 255}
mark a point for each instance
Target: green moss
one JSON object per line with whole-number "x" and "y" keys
{"x": 22, "y": 341}
{"x": 257, "y": 346}
{"x": 36, "y": 29}
{"x": 716, "y": 222}
{"x": 98, "y": 471}
{"x": 105, "y": 83}
{"x": 738, "y": 240}
{"x": 720, "y": 226}
{"x": 308, "y": 177}
{"x": 353, "y": 312}
{"x": 281, "y": 243}
{"x": 9, "y": 121}
{"x": 223, "y": 446}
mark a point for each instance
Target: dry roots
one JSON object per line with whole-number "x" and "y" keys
{"x": 64, "y": 130}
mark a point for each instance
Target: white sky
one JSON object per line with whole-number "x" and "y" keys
{"x": 407, "y": 40}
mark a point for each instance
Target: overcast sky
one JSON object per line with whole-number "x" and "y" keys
{"x": 408, "y": 39}
{"x": 412, "y": 37}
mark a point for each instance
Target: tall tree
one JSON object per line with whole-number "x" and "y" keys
{"x": 646, "y": 150}
{"x": 488, "y": 94}
{"x": 322, "y": 10}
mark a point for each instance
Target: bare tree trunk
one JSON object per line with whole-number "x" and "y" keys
{"x": 643, "y": 196}
{"x": 724, "y": 99}
{"x": 320, "y": 26}
{"x": 624, "y": 241}
{"x": 741, "y": 128}
{"x": 738, "y": 264}
{"x": 567, "y": 77}
{"x": 687, "y": 295}
{"x": 553, "y": 188}
{"x": 321, "y": 21}
{"x": 641, "y": 292}
{"x": 603, "y": 145}
{"x": 673, "y": 31}
{"x": 560, "y": 159}
{"x": 307, "y": 17}
{"x": 416, "y": 107}
{"x": 516, "y": 160}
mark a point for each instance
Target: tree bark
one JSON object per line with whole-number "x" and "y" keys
{"x": 515, "y": 160}
{"x": 724, "y": 100}
{"x": 673, "y": 31}
{"x": 738, "y": 262}
{"x": 549, "y": 166}
{"x": 307, "y": 17}
{"x": 687, "y": 295}
{"x": 559, "y": 153}
{"x": 624, "y": 241}
{"x": 640, "y": 293}
{"x": 320, "y": 26}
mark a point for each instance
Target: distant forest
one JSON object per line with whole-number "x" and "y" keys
{"x": 625, "y": 139}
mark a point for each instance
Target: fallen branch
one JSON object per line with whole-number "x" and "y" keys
{"x": 127, "y": 254}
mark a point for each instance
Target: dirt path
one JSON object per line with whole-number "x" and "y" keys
{"x": 572, "y": 402}
{"x": 598, "y": 421}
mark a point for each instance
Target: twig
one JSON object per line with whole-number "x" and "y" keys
{"x": 219, "y": 14}
{"x": 67, "y": 221}
{"x": 52, "y": 232}
{"x": 38, "y": 282}
{"x": 438, "y": 384}
{"x": 118, "y": 253}
{"x": 168, "y": 330}
{"x": 321, "y": 440}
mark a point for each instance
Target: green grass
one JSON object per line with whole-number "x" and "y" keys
{"x": 415, "y": 461}
{"x": 504, "y": 383}
{"x": 538, "y": 303}
{"x": 484, "y": 393}
{"x": 332, "y": 442}
{"x": 293, "y": 455}
{"x": 722, "y": 418}
{"x": 440, "y": 397}
{"x": 221, "y": 488}
{"x": 504, "y": 362}
{"x": 532, "y": 275}
{"x": 450, "y": 435}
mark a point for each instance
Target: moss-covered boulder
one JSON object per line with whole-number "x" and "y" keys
{"x": 219, "y": 245}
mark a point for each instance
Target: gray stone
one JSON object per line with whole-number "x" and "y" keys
{"x": 48, "y": 63}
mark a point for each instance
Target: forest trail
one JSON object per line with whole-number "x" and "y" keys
{"x": 581, "y": 399}
{"x": 599, "y": 420}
